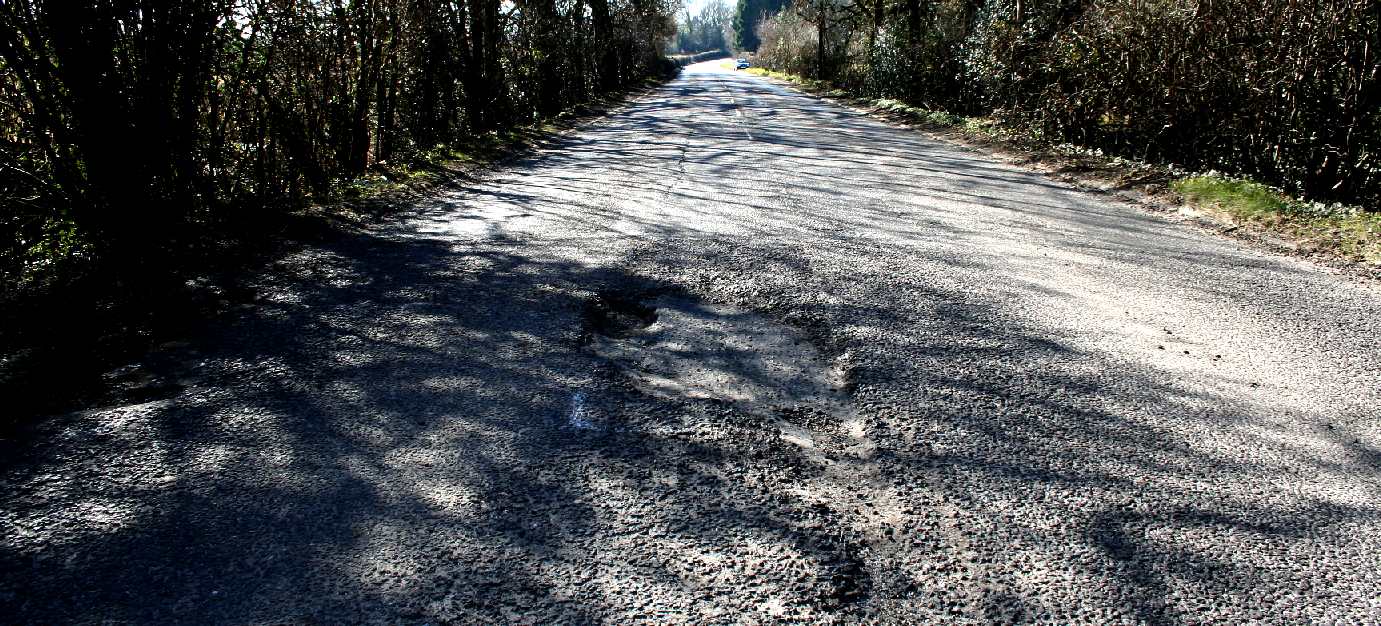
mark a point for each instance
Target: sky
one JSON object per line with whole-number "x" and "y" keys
{"x": 693, "y": 6}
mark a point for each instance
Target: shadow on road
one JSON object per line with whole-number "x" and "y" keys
{"x": 387, "y": 436}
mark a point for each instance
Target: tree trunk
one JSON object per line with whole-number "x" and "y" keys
{"x": 548, "y": 46}
{"x": 821, "y": 28}
{"x": 608, "y": 69}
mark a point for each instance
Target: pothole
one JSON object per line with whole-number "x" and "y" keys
{"x": 848, "y": 581}
{"x": 676, "y": 347}
{"x": 614, "y": 314}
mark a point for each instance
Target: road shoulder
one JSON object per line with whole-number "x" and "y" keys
{"x": 1144, "y": 186}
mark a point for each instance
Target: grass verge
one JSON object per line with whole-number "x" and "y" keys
{"x": 61, "y": 341}
{"x": 1338, "y": 235}
{"x": 1346, "y": 231}
{"x": 388, "y": 184}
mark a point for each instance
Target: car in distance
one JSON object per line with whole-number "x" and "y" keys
{"x": 742, "y": 64}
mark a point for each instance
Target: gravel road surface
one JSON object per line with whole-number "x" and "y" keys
{"x": 733, "y": 355}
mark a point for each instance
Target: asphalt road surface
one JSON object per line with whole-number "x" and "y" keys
{"x": 733, "y": 355}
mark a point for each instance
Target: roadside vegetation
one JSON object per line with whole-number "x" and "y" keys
{"x": 1349, "y": 231}
{"x": 1344, "y": 233}
{"x": 146, "y": 146}
{"x": 1283, "y": 94}
{"x": 131, "y": 128}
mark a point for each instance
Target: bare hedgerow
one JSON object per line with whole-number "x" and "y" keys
{"x": 130, "y": 128}
{"x": 1288, "y": 93}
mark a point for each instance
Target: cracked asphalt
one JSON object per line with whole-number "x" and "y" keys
{"x": 1055, "y": 408}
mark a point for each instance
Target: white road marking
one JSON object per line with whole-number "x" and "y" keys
{"x": 738, "y": 111}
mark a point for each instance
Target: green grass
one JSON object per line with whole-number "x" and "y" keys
{"x": 937, "y": 118}
{"x": 1241, "y": 198}
{"x": 1348, "y": 231}
{"x": 425, "y": 167}
{"x": 809, "y": 83}
{"x": 428, "y": 166}
{"x": 1343, "y": 231}
{"x": 925, "y": 116}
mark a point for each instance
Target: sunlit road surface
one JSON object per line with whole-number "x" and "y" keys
{"x": 890, "y": 380}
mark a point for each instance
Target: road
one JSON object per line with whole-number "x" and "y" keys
{"x": 734, "y": 354}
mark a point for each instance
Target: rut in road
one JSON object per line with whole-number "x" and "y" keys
{"x": 1017, "y": 402}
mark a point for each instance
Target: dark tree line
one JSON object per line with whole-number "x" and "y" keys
{"x": 126, "y": 126}
{"x": 1284, "y": 91}
{"x": 747, "y": 16}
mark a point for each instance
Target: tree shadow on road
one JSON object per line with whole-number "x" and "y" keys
{"x": 388, "y": 434}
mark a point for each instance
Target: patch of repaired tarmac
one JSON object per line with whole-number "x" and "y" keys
{"x": 677, "y": 347}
